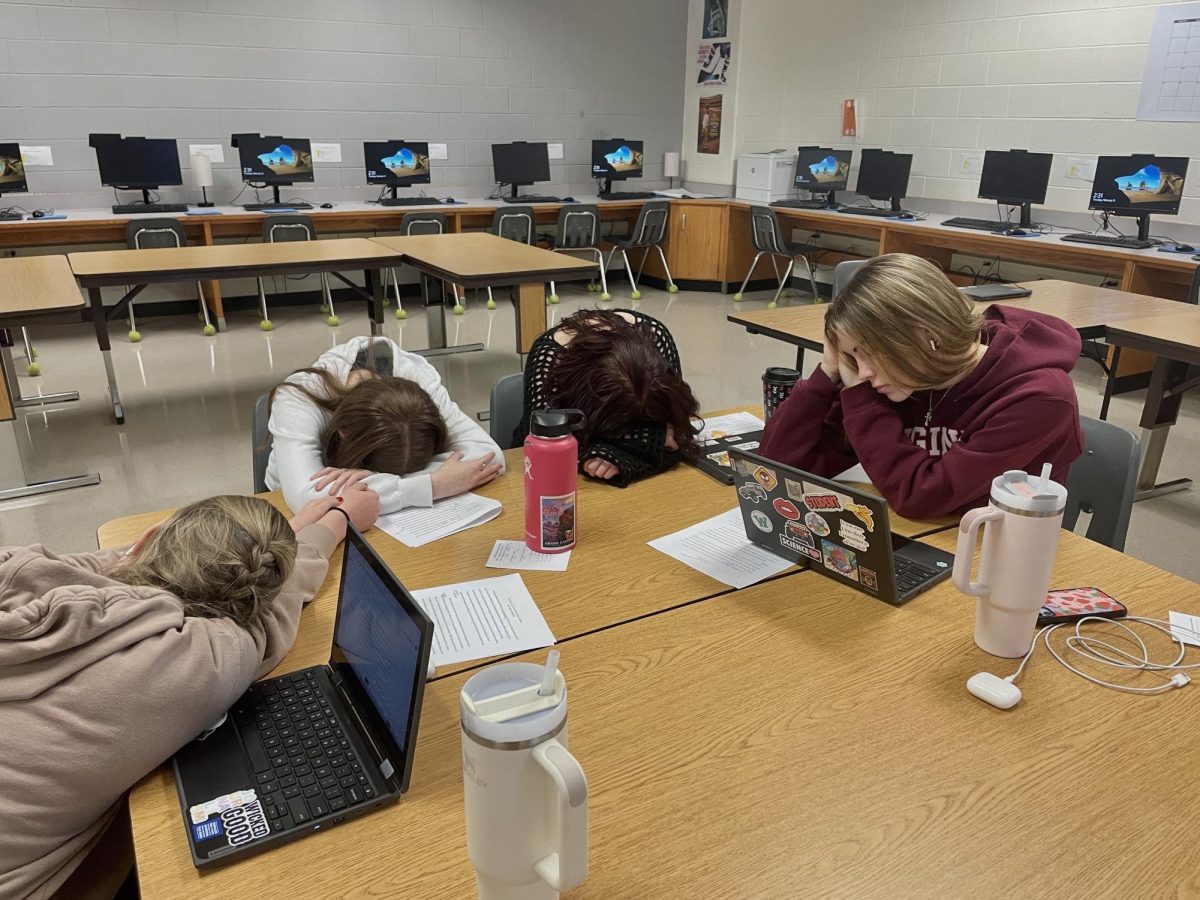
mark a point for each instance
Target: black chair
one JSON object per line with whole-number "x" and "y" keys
{"x": 649, "y": 232}
{"x": 513, "y": 223}
{"x": 1103, "y": 482}
{"x": 277, "y": 229}
{"x": 146, "y": 234}
{"x": 843, "y": 272}
{"x": 578, "y": 231}
{"x": 431, "y": 222}
{"x": 504, "y": 411}
{"x": 767, "y": 235}
{"x": 260, "y": 447}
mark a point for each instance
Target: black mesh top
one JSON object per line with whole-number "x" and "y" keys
{"x": 640, "y": 452}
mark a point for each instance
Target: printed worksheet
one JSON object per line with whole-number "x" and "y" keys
{"x": 421, "y": 525}
{"x": 478, "y": 619}
{"x": 719, "y": 548}
{"x": 517, "y": 555}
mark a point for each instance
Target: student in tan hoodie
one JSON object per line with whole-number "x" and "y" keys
{"x": 111, "y": 661}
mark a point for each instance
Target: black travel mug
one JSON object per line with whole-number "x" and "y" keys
{"x": 778, "y": 382}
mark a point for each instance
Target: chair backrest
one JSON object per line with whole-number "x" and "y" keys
{"x": 514, "y": 223}
{"x": 277, "y": 229}
{"x": 1103, "y": 482}
{"x": 508, "y": 400}
{"x": 1193, "y": 294}
{"x": 260, "y": 447}
{"x": 424, "y": 223}
{"x": 651, "y": 225}
{"x": 765, "y": 231}
{"x": 843, "y": 272}
{"x": 144, "y": 234}
{"x": 578, "y": 226}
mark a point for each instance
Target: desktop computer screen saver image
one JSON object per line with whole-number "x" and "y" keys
{"x": 12, "y": 169}
{"x": 822, "y": 168}
{"x": 623, "y": 159}
{"x": 400, "y": 161}
{"x": 616, "y": 157}
{"x": 287, "y": 159}
{"x": 1142, "y": 184}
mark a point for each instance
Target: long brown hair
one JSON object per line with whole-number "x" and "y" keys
{"x": 613, "y": 371}
{"x": 382, "y": 423}
{"x": 908, "y": 316}
{"x": 224, "y": 557}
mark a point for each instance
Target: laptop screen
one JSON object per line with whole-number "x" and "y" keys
{"x": 381, "y": 646}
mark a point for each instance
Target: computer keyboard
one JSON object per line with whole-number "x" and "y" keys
{"x": 803, "y": 204}
{"x": 273, "y": 207}
{"x": 125, "y": 209}
{"x": 532, "y": 198}
{"x": 629, "y": 195}
{"x": 1108, "y": 240}
{"x": 979, "y": 224}
{"x": 6, "y": 216}
{"x": 910, "y": 575}
{"x": 870, "y": 211}
{"x": 409, "y": 201}
{"x": 304, "y": 764}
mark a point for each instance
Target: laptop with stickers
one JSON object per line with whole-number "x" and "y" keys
{"x": 836, "y": 530}
{"x": 308, "y": 750}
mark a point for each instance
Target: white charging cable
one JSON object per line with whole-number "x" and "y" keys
{"x": 1104, "y": 652}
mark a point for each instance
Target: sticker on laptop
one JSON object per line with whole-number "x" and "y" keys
{"x": 786, "y": 508}
{"x": 821, "y": 499}
{"x": 721, "y": 459}
{"x": 799, "y": 534}
{"x": 749, "y": 445}
{"x": 238, "y": 816}
{"x": 839, "y": 560}
{"x": 862, "y": 513}
{"x": 816, "y": 524}
{"x": 795, "y": 489}
{"x": 761, "y": 521}
{"x": 853, "y": 536}
{"x": 765, "y": 477}
{"x": 813, "y": 553}
{"x": 742, "y": 467}
{"x": 867, "y": 578}
{"x": 752, "y": 491}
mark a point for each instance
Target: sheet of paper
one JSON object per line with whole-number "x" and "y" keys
{"x": 1185, "y": 627}
{"x": 417, "y": 527}
{"x": 215, "y": 152}
{"x": 719, "y": 548}
{"x": 478, "y": 619}
{"x": 734, "y": 423}
{"x": 330, "y": 153}
{"x": 517, "y": 555}
{"x": 856, "y": 474}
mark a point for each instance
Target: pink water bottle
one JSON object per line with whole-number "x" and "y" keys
{"x": 551, "y": 478}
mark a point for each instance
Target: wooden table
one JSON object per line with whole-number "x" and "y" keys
{"x": 613, "y": 577}
{"x": 105, "y": 268}
{"x": 478, "y": 259}
{"x": 32, "y": 289}
{"x": 796, "y": 739}
{"x": 1175, "y": 342}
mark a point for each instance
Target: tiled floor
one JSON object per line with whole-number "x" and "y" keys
{"x": 188, "y": 400}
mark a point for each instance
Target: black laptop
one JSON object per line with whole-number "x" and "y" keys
{"x": 309, "y": 750}
{"x": 836, "y": 530}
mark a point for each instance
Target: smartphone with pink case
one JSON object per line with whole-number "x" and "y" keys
{"x": 1073, "y": 604}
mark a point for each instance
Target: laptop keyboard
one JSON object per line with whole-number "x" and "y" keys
{"x": 304, "y": 764}
{"x": 910, "y": 575}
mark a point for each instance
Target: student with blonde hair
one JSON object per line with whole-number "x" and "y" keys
{"x": 369, "y": 412}
{"x": 112, "y": 661}
{"x": 932, "y": 396}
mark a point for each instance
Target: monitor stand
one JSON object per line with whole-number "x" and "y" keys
{"x": 606, "y": 187}
{"x": 1026, "y": 215}
{"x": 5, "y": 214}
{"x": 830, "y": 201}
{"x": 1143, "y": 220}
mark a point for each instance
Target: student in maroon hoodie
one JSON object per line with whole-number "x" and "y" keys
{"x": 932, "y": 397}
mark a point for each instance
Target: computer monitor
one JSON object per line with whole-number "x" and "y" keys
{"x": 822, "y": 170}
{"x": 396, "y": 164}
{"x": 1015, "y": 178}
{"x": 1138, "y": 186}
{"x": 273, "y": 161}
{"x": 520, "y": 164}
{"x": 615, "y": 159}
{"x": 137, "y": 163}
{"x": 12, "y": 170}
{"x": 883, "y": 176}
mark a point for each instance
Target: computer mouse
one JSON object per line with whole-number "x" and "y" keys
{"x": 39, "y": 214}
{"x": 569, "y": 200}
{"x": 326, "y": 206}
{"x": 1184, "y": 248}
{"x": 1015, "y": 232}
{"x": 906, "y": 215}
{"x": 449, "y": 200}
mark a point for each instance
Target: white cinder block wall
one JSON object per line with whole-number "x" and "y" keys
{"x": 933, "y": 77}
{"x": 463, "y": 72}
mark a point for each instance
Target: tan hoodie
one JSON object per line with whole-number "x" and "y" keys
{"x": 101, "y": 682}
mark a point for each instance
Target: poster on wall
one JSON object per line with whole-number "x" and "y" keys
{"x": 716, "y": 18}
{"x": 1171, "y": 78}
{"x": 712, "y": 61}
{"x": 708, "y": 138}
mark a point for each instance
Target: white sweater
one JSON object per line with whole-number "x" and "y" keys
{"x": 296, "y": 424}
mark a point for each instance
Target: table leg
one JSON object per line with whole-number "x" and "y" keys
{"x": 98, "y": 319}
{"x": 531, "y": 314}
{"x": 800, "y": 359}
{"x": 435, "y": 316}
{"x": 373, "y": 279}
{"x": 1158, "y": 415}
{"x": 10, "y": 371}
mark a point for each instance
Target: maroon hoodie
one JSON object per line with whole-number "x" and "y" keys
{"x": 1016, "y": 410}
